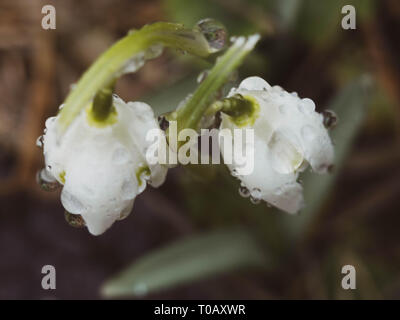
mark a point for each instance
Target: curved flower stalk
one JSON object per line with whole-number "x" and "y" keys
{"x": 131, "y": 52}
{"x": 100, "y": 161}
{"x": 288, "y": 135}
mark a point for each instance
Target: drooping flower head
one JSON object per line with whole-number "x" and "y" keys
{"x": 102, "y": 165}
{"x": 288, "y": 135}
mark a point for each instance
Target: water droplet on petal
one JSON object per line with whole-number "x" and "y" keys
{"x": 125, "y": 213}
{"x": 49, "y": 121}
{"x": 256, "y": 193}
{"x": 163, "y": 123}
{"x": 244, "y": 192}
{"x": 46, "y": 181}
{"x": 329, "y": 119}
{"x": 39, "y": 142}
{"x": 306, "y": 106}
{"x": 214, "y": 32}
{"x": 74, "y": 220}
{"x": 255, "y": 200}
{"x": 71, "y": 203}
{"x": 286, "y": 156}
{"x": 283, "y": 109}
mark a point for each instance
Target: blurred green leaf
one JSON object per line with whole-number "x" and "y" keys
{"x": 168, "y": 99}
{"x": 187, "y": 260}
{"x": 319, "y": 22}
{"x": 350, "y": 106}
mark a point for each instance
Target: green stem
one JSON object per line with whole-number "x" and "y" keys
{"x": 112, "y": 62}
{"x": 190, "y": 114}
{"x": 103, "y": 102}
{"x": 235, "y": 106}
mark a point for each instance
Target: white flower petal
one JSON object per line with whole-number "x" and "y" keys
{"x": 100, "y": 166}
{"x": 288, "y": 133}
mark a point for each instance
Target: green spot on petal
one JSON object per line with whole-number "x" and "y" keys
{"x": 139, "y": 173}
{"x": 95, "y": 122}
{"x": 62, "y": 177}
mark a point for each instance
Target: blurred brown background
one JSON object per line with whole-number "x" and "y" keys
{"x": 303, "y": 49}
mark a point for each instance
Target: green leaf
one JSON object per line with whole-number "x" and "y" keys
{"x": 187, "y": 260}
{"x": 350, "y": 106}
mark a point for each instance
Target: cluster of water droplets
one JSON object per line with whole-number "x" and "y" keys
{"x": 254, "y": 194}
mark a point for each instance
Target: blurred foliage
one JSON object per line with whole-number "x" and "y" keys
{"x": 351, "y": 216}
{"x": 186, "y": 260}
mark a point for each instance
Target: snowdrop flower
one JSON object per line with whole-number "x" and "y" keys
{"x": 102, "y": 165}
{"x": 288, "y": 135}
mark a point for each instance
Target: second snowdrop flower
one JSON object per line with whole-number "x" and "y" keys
{"x": 288, "y": 135}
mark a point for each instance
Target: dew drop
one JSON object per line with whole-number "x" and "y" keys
{"x": 214, "y": 32}
{"x": 244, "y": 192}
{"x": 134, "y": 63}
{"x": 306, "y": 106}
{"x": 255, "y": 200}
{"x": 49, "y": 121}
{"x": 330, "y": 119}
{"x": 153, "y": 52}
{"x": 256, "y": 193}
{"x": 39, "y": 142}
{"x": 71, "y": 203}
{"x": 202, "y": 76}
{"x": 163, "y": 123}
{"x": 74, "y": 220}
{"x": 46, "y": 181}
{"x": 283, "y": 109}
{"x": 125, "y": 213}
